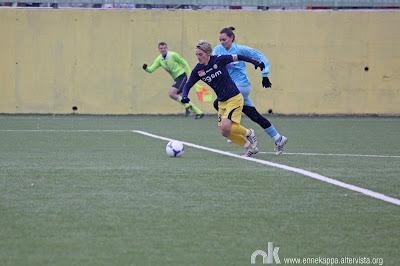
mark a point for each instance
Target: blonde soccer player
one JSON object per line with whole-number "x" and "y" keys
{"x": 212, "y": 70}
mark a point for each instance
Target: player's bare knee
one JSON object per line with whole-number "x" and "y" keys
{"x": 225, "y": 129}
{"x": 172, "y": 94}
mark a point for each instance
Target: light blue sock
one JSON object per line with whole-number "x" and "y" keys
{"x": 271, "y": 131}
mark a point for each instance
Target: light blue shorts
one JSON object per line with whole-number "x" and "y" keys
{"x": 245, "y": 91}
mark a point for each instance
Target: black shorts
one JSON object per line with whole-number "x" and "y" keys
{"x": 180, "y": 82}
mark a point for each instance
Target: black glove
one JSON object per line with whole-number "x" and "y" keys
{"x": 185, "y": 100}
{"x": 144, "y": 66}
{"x": 260, "y": 65}
{"x": 266, "y": 83}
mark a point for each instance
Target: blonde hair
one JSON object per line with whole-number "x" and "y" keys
{"x": 204, "y": 46}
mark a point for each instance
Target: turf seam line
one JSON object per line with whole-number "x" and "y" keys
{"x": 66, "y": 130}
{"x": 336, "y": 154}
{"x": 303, "y": 172}
{"x": 129, "y": 130}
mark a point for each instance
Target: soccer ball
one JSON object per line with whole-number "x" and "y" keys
{"x": 174, "y": 148}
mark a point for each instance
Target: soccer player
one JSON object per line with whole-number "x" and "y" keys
{"x": 237, "y": 71}
{"x": 178, "y": 68}
{"x": 212, "y": 70}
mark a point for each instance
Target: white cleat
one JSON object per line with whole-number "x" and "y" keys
{"x": 279, "y": 145}
{"x": 250, "y": 151}
{"x": 252, "y": 138}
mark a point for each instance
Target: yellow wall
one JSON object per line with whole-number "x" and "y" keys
{"x": 52, "y": 60}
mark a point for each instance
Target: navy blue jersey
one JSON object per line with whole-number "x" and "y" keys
{"x": 216, "y": 76}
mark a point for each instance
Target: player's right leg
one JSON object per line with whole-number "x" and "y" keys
{"x": 229, "y": 116}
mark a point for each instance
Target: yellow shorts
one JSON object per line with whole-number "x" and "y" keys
{"x": 231, "y": 109}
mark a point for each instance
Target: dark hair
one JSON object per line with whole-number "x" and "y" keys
{"x": 162, "y": 43}
{"x": 229, "y": 32}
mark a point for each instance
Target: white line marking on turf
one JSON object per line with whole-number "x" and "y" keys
{"x": 336, "y": 154}
{"x": 313, "y": 175}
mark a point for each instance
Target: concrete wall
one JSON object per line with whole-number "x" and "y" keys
{"x": 52, "y": 60}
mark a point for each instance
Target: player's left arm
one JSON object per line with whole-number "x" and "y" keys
{"x": 255, "y": 54}
{"x": 255, "y": 62}
{"x": 179, "y": 59}
{"x": 223, "y": 60}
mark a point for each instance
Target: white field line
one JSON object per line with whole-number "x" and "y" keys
{"x": 317, "y": 176}
{"x": 336, "y": 154}
{"x": 313, "y": 175}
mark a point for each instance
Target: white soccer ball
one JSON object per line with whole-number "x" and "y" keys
{"x": 175, "y": 148}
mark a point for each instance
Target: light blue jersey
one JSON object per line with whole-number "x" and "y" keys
{"x": 237, "y": 70}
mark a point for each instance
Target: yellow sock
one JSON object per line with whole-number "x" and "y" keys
{"x": 238, "y": 139}
{"x": 238, "y": 129}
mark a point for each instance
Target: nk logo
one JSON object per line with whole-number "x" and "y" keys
{"x": 267, "y": 258}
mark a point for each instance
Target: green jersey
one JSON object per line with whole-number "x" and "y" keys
{"x": 173, "y": 63}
